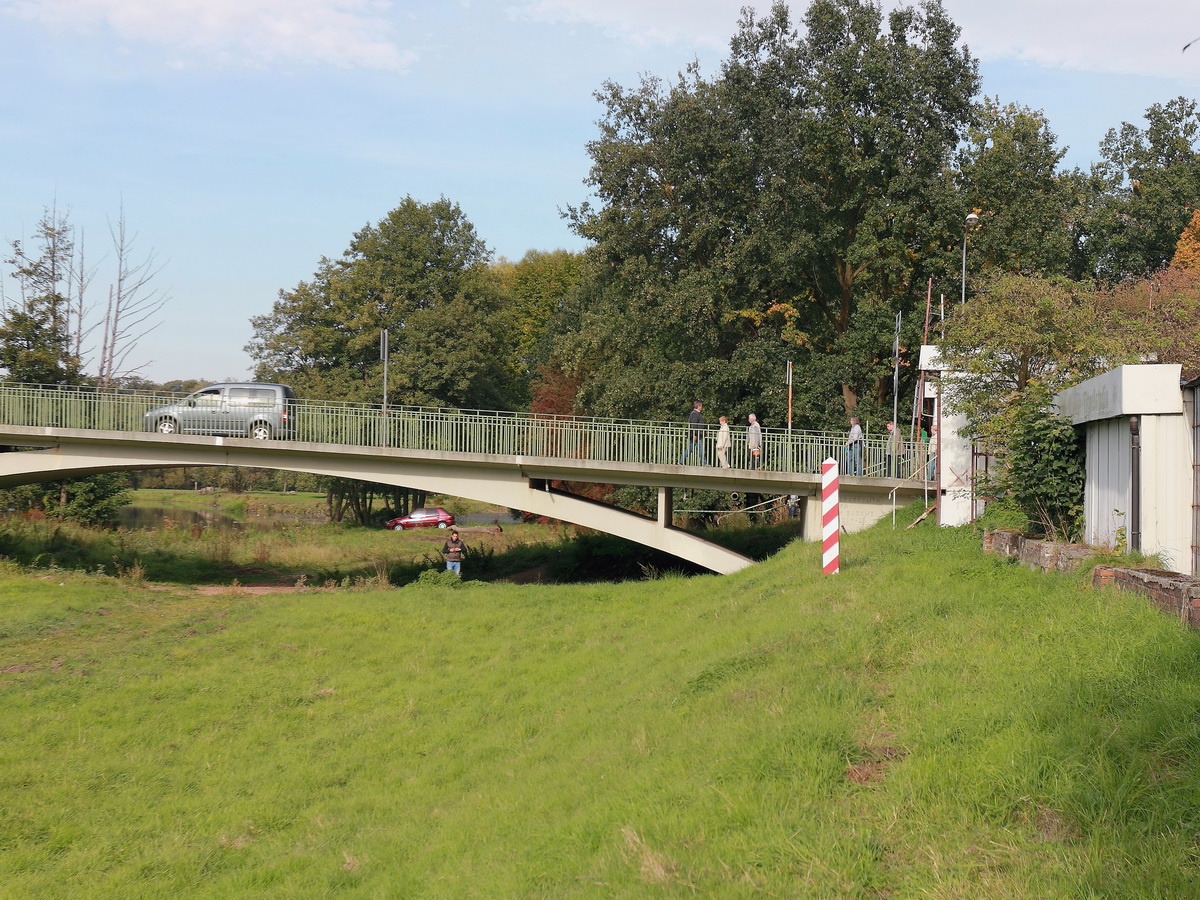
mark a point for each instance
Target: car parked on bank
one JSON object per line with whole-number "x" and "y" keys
{"x": 430, "y": 517}
{"x": 235, "y": 409}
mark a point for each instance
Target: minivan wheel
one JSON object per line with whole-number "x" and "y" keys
{"x": 260, "y": 431}
{"x": 166, "y": 426}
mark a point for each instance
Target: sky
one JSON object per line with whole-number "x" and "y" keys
{"x": 244, "y": 140}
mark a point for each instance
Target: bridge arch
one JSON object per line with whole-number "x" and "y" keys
{"x": 509, "y": 481}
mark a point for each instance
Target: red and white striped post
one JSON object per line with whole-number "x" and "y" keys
{"x": 830, "y": 521}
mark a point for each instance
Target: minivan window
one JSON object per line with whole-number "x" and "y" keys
{"x": 252, "y": 396}
{"x": 208, "y": 398}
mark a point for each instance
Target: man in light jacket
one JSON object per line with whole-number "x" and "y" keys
{"x": 754, "y": 442}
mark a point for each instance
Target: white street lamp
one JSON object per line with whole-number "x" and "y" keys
{"x": 972, "y": 221}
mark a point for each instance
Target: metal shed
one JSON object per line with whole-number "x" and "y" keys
{"x": 1140, "y": 488}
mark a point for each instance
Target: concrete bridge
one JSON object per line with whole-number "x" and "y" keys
{"x": 508, "y": 459}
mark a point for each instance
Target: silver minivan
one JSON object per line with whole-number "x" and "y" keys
{"x": 236, "y": 409}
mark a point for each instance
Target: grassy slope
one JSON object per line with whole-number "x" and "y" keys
{"x": 929, "y": 723}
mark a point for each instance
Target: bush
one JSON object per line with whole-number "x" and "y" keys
{"x": 439, "y": 577}
{"x": 1045, "y": 473}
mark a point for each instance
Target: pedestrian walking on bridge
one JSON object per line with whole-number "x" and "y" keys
{"x": 724, "y": 443}
{"x": 695, "y": 435}
{"x": 754, "y": 442}
{"x": 854, "y": 445}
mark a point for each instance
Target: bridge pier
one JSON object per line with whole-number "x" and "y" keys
{"x": 666, "y": 507}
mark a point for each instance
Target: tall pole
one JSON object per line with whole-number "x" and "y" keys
{"x": 790, "y": 456}
{"x": 896, "y": 374}
{"x": 789, "y": 384}
{"x": 972, "y": 221}
{"x": 384, "y": 353}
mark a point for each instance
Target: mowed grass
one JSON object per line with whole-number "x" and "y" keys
{"x": 928, "y": 723}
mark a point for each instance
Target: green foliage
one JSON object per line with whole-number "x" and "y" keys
{"x": 1044, "y": 474}
{"x": 1148, "y": 182}
{"x": 422, "y": 274}
{"x": 94, "y": 500}
{"x": 538, "y": 288}
{"x": 439, "y": 578}
{"x": 1010, "y": 177}
{"x": 1017, "y": 342}
{"x": 774, "y": 212}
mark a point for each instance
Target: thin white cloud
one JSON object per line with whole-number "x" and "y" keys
{"x": 345, "y": 33}
{"x": 704, "y": 23}
{"x": 1104, "y": 36}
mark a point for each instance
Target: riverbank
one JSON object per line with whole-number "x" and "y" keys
{"x": 930, "y": 722}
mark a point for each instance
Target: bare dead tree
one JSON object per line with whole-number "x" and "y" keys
{"x": 131, "y": 304}
{"x": 80, "y": 309}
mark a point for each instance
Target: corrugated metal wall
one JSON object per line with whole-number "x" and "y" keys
{"x": 1106, "y": 494}
{"x": 1166, "y": 491}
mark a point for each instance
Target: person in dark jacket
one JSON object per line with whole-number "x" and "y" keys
{"x": 695, "y": 435}
{"x": 453, "y": 551}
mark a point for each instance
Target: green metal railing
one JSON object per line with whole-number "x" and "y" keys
{"x": 455, "y": 430}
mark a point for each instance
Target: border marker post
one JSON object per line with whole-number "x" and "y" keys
{"x": 830, "y": 519}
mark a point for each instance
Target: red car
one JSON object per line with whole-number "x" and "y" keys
{"x": 423, "y": 518}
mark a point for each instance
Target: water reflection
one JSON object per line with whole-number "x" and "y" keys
{"x": 137, "y": 518}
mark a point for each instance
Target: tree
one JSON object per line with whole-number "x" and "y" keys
{"x": 1187, "y": 248}
{"x": 94, "y": 500}
{"x": 422, "y": 274}
{"x": 45, "y": 332}
{"x": 774, "y": 212}
{"x": 1150, "y": 182}
{"x": 1016, "y": 343}
{"x": 35, "y": 337}
{"x": 1008, "y": 169}
{"x": 537, "y": 289}
{"x": 131, "y": 303}
{"x": 1161, "y": 315}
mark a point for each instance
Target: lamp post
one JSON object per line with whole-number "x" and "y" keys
{"x": 972, "y": 221}
{"x": 385, "y": 351}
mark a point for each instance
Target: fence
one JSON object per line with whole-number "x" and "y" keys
{"x": 454, "y": 430}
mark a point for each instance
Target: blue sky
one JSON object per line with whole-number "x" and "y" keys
{"x": 246, "y": 139}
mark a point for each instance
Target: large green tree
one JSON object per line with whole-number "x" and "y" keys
{"x": 1148, "y": 184}
{"x": 1009, "y": 172}
{"x": 774, "y": 212}
{"x": 422, "y": 274}
{"x": 538, "y": 288}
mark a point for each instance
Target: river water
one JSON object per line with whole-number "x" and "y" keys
{"x": 137, "y": 518}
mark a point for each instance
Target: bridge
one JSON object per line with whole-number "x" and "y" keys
{"x": 505, "y": 458}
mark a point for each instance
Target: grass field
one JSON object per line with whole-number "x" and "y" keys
{"x": 928, "y": 723}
